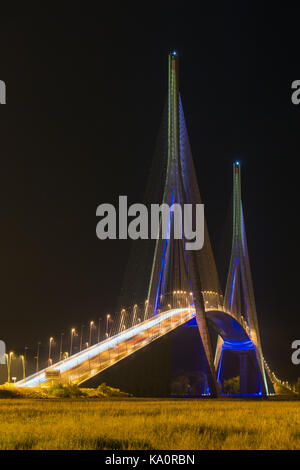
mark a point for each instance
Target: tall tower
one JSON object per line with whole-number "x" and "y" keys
{"x": 175, "y": 268}
{"x": 240, "y": 302}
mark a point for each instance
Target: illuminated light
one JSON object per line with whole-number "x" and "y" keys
{"x": 259, "y": 394}
{"x": 237, "y": 163}
{"x": 174, "y": 53}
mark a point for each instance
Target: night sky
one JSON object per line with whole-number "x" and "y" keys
{"x": 85, "y": 96}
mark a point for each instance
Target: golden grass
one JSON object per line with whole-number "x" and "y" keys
{"x": 148, "y": 424}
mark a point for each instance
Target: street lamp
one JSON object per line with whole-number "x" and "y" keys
{"x": 37, "y": 356}
{"x": 123, "y": 313}
{"x": 107, "y": 319}
{"x": 8, "y": 361}
{"x": 61, "y": 345}
{"x": 49, "y": 356}
{"x": 146, "y": 309}
{"x": 91, "y": 327}
{"x": 135, "y": 308}
{"x": 6, "y": 358}
{"x": 73, "y": 332}
{"x": 25, "y": 350}
{"x": 23, "y": 364}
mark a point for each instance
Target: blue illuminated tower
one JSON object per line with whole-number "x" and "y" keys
{"x": 240, "y": 302}
{"x": 174, "y": 268}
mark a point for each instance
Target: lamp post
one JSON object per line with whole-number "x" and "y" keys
{"x": 135, "y": 308}
{"x": 6, "y": 358}
{"x": 81, "y": 333}
{"x": 72, "y": 335}
{"x": 123, "y": 313}
{"x": 107, "y": 320}
{"x": 146, "y": 309}
{"x": 37, "y": 356}
{"x": 8, "y": 361}
{"x": 90, "y": 337}
{"x": 23, "y": 364}
{"x": 49, "y": 355}
{"x": 61, "y": 345}
{"x": 25, "y": 351}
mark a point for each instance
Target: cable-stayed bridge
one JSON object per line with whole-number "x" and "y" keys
{"x": 183, "y": 285}
{"x": 87, "y": 363}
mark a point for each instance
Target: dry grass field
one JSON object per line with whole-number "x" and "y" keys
{"x": 148, "y": 424}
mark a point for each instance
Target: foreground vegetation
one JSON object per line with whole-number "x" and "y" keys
{"x": 60, "y": 391}
{"x": 148, "y": 424}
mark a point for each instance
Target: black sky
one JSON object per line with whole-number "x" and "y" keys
{"x": 85, "y": 96}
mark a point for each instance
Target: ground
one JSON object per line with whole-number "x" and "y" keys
{"x": 148, "y": 424}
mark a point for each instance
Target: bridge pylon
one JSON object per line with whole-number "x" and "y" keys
{"x": 174, "y": 268}
{"x": 240, "y": 302}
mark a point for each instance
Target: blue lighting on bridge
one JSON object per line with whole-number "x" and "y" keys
{"x": 163, "y": 257}
{"x": 220, "y": 364}
{"x": 237, "y": 163}
{"x": 174, "y": 53}
{"x": 243, "y": 345}
{"x": 192, "y": 322}
{"x": 233, "y": 284}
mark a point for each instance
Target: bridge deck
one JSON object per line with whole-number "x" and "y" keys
{"x": 82, "y": 366}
